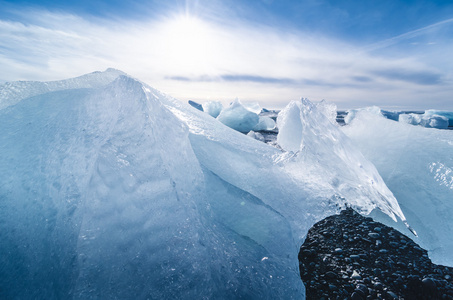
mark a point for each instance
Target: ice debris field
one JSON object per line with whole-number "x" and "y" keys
{"x": 110, "y": 189}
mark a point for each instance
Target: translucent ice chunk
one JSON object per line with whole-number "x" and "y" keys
{"x": 443, "y": 113}
{"x": 238, "y": 117}
{"x": 329, "y": 109}
{"x": 13, "y": 92}
{"x": 119, "y": 191}
{"x": 352, "y": 113}
{"x": 326, "y": 159}
{"x": 413, "y": 119}
{"x": 416, "y": 164}
{"x": 213, "y": 108}
{"x": 256, "y": 135}
{"x": 252, "y": 106}
{"x": 94, "y": 203}
{"x": 264, "y": 123}
{"x": 426, "y": 120}
{"x": 434, "y": 121}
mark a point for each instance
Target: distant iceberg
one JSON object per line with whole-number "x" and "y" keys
{"x": 213, "y": 108}
{"x": 238, "y": 117}
{"x": 430, "y": 118}
{"x": 111, "y": 189}
{"x": 442, "y": 113}
{"x": 243, "y": 117}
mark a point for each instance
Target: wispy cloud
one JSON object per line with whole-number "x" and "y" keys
{"x": 222, "y": 58}
{"x": 362, "y": 78}
{"x": 409, "y": 35}
{"x": 422, "y": 78}
{"x": 236, "y": 78}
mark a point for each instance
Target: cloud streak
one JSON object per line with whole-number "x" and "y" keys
{"x": 236, "y": 78}
{"x": 205, "y": 60}
{"x": 408, "y": 35}
{"x": 421, "y": 78}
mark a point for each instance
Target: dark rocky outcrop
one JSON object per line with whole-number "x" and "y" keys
{"x": 349, "y": 256}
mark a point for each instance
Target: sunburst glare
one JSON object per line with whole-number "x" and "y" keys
{"x": 188, "y": 43}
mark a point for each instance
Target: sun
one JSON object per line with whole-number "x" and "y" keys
{"x": 188, "y": 42}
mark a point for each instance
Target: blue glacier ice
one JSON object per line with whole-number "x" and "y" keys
{"x": 256, "y": 135}
{"x": 326, "y": 160}
{"x": 353, "y": 112}
{"x": 243, "y": 117}
{"x": 13, "y": 92}
{"x": 212, "y": 107}
{"x": 416, "y": 163}
{"x": 264, "y": 123}
{"x": 111, "y": 189}
{"x": 238, "y": 117}
{"x": 428, "y": 119}
{"x": 442, "y": 113}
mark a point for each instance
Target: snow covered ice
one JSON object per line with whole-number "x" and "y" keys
{"x": 111, "y": 189}
{"x": 416, "y": 163}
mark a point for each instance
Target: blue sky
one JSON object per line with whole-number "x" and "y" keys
{"x": 394, "y": 54}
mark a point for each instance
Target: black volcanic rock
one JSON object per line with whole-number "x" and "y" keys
{"x": 349, "y": 256}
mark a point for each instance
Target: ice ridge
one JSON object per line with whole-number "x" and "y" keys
{"x": 13, "y": 92}
{"x": 111, "y": 189}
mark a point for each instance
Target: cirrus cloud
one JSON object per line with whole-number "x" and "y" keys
{"x": 201, "y": 59}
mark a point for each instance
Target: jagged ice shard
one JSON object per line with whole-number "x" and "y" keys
{"x": 111, "y": 189}
{"x": 89, "y": 181}
{"x": 326, "y": 160}
{"x": 417, "y": 165}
